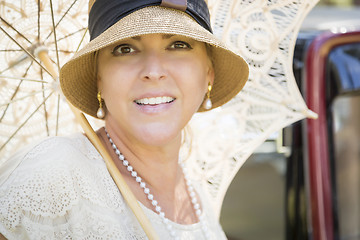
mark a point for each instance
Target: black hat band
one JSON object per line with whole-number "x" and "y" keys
{"x": 105, "y": 13}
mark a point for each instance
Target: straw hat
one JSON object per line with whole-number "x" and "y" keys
{"x": 78, "y": 76}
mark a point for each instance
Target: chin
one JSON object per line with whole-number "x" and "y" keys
{"x": 160, "y": 136}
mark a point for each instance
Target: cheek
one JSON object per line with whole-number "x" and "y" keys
{"x": 198, "y": 78}
{"x": 193, "y": 81}
{"x": 111, "y": 78}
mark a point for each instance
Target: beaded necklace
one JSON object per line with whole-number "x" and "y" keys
{"x": 155, "y": 203}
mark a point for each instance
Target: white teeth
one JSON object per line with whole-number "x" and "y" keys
{"x": 155, "y": 100}
{"x": 152, "y": 100}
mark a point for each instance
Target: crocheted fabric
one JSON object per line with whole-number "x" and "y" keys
{"x": 264, "y": 33}
{"x": 61, "y": 189}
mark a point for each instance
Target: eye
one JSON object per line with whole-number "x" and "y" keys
{"x": 180, "y": 45}
{"x": 123, "y": 49}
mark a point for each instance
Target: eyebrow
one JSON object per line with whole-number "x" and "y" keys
{"x": 164, "y": 36}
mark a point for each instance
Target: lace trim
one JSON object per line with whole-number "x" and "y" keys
{"x": 48, "y": 182}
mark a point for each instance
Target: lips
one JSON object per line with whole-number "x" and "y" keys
{"x": 154, "y": 100}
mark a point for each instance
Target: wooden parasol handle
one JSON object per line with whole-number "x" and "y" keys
{"x": 114, "y": 171}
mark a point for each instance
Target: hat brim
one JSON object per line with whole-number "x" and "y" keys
{"x": 78, "y": 76}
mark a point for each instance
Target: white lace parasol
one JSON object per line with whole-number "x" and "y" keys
{"x": 263, "y": 31}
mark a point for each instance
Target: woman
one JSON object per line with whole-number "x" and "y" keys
{"x": 146, "y": 71}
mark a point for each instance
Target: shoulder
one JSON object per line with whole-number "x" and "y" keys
{"x": 46, "y": 167}
{"x": 51, "y": 160}
{"x": 53, "y": 152}
{"x": 61, "y": 151}
{"x": 54, "y": 181}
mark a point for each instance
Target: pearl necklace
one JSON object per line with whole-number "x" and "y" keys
{"x": 151, "y": 198}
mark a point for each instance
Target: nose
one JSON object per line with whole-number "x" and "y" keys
{"x": 153, "y": 66}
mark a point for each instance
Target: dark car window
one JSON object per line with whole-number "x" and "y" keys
{"x": 344, "y": 64}
{"x": 344, "y": 67}
{"x": 346, "y": 130}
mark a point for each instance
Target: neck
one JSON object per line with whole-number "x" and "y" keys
{"x": 157, "y": 165}
{"x": 161, "y": 173}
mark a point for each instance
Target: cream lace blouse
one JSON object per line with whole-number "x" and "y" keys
{"x": 61, "y": 189}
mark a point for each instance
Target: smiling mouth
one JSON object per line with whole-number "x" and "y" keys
{"x": 154, "y": 100}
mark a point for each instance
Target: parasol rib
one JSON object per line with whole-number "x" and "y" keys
{"x": 26, "y": 51}
{"x": 12, "y": 100}
{"x": 45, "y": 109}
{"x": 24, "y": 79}
{"x": 62, "y": 17}
{"x": 10, "y": 50}
{"x": 56, "y": 46}
{"x": 82, "y": 40}
{"x": 16, "y": 90}
{"x": 12, "y": 27}
{"x": 38, "y": 21}
{"x": 71, "y": 34}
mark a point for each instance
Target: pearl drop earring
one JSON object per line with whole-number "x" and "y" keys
{"x": 207, "y": 104}
{"x": 100, "y": 112}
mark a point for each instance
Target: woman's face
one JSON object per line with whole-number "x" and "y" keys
{"x": 152, "y": 85}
